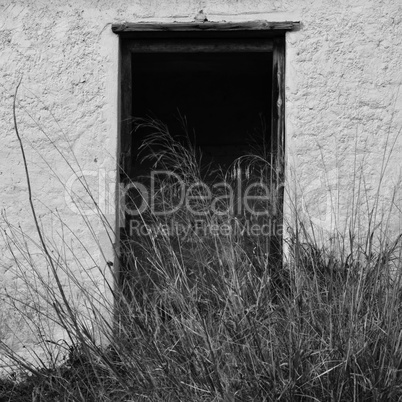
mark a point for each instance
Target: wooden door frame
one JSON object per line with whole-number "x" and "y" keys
{"x": 203, "y": 37}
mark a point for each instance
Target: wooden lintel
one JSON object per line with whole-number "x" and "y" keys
{"x": 128, "y": 27}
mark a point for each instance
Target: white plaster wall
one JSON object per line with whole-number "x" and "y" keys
{"x": 342, "y": 106}
{"x": 344, "y": 112}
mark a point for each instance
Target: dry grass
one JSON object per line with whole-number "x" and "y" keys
{"x": 213, "y": 318}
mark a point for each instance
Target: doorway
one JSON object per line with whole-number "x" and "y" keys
{"x": 221, "y": 95}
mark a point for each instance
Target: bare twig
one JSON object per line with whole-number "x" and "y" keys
{"x": 37, "y": 226}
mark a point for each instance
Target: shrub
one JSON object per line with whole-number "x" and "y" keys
{"x": 210, "y": 317}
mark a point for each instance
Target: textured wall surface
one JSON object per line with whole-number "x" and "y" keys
{"x": 343, "y": 115}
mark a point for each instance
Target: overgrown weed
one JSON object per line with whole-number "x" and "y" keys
{"x": 206, "y": 317}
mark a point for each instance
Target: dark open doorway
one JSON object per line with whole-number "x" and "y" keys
{"x": 225, "y": 98}
{"x": 226, "y": 81}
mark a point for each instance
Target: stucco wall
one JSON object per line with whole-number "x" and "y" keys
{"x": 342, "y": 111}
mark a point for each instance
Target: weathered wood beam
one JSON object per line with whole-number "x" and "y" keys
{"x": 127, "y": 27}
{"x": 252, "y": 29}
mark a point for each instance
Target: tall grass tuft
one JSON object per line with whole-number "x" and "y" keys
{"x": 201, "y": 316}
